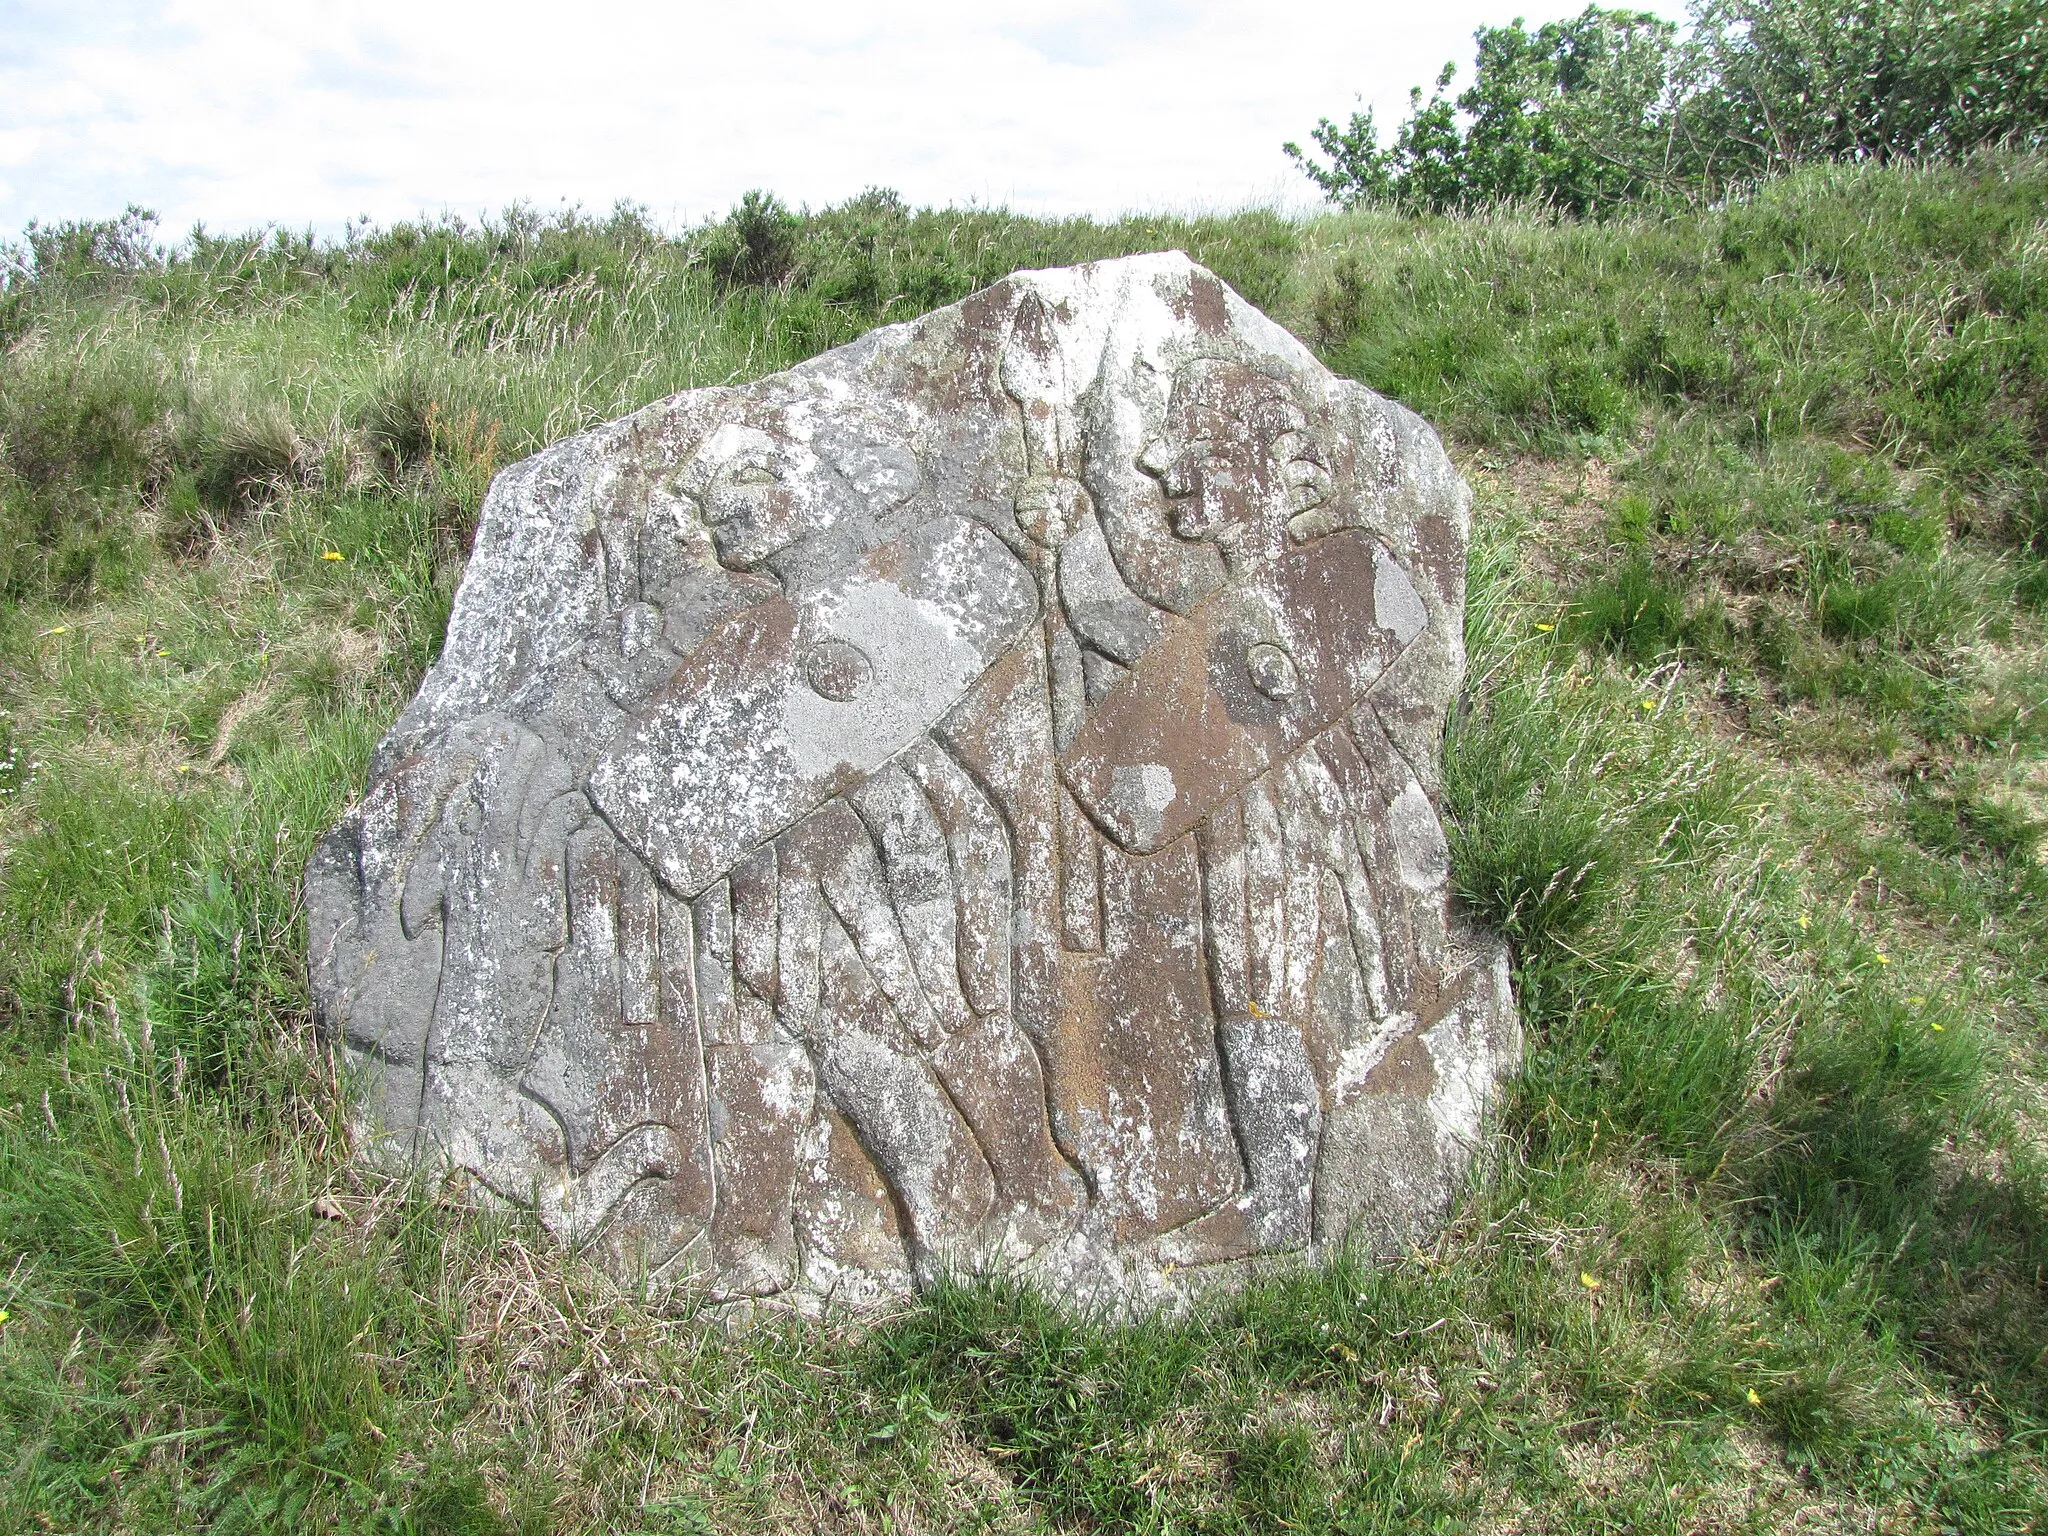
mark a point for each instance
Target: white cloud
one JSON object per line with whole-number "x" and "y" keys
{"x": 242, "y": 114}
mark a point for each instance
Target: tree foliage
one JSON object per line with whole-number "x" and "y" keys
{"x": 1615, "y": 106}
{"x": 1794, "y": 80}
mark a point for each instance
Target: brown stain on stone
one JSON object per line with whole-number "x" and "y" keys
{"x": 1216, "y": 1238}
{"x": 984, "y": 323}
{"x": 754, "y": 1155}
{"x": 1407, "y": 1069}
{"x": 1204, "y": 305}
{"x": 1441, "y": 553}
{"x": 993, "y": 1077}
{"x": 1212, "y": 733}
{"x": 1156, "y": 1034}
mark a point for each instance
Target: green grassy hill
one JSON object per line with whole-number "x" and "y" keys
{"x": 1752, "y": 769}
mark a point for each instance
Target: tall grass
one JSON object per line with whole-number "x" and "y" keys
{"x": 1749, "y": 769}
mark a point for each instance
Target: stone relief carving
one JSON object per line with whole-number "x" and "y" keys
{"x": 967, "y": 800}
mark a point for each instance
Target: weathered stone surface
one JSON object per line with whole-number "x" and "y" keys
{"x": 967, "y": 800}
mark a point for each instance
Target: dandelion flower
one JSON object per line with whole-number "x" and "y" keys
{"x": 1590, "y": 1282}
{"x": 163, "y": 653}
{"x": 3, "y": 1314}
{"x": 58, "y": 629}
{"x": 1883, "y": 958}
{"x": 1805, "y": 922}
{"x": 1936, "y": 1028}
{"x": 331, "y": 554}
{"x": 1754, "y": 1400}
{"x": 1648, "y": 704}
{"x": 1544, "y": 629}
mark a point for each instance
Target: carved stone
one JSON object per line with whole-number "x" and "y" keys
{"x": 968, "y": 800}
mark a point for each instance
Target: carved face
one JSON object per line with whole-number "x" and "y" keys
{"x": 752, "y": 497}
{"x": 1234, "y": 458}
{"x": 761, "y": 493}
{"x": 1203, "y": 480}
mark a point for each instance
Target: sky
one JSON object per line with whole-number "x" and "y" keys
{"x": 243, "y": 115}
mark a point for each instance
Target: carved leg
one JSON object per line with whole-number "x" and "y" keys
{"x": 762, "y": 1089}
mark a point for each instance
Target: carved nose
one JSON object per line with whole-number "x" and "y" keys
{"x": 1157, "y": 458}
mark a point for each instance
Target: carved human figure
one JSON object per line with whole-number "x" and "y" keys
{"x": 1243, "y": 728}
{"x": 846, "y": 853}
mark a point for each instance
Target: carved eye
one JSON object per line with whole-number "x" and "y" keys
{"x": 1272, "y": 671}
{"x": 837, "y": 670}
{"x": 1307, "y": 483}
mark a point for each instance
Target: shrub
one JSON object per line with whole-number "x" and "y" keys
{"x": 91, "y": 253}
{"x": 1600, "y": 111}
{"x": 756, "y": 246}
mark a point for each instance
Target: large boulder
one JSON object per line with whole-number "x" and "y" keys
{"x": 968, "y": 800}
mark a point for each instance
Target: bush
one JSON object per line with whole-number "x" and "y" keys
{"x": 756, "y": 246}
{"x": 90, "y": 253}
{"x": 1571, "y": 115}
{"x": 1614, "y": 106}
{"x": 1792, "y": 80}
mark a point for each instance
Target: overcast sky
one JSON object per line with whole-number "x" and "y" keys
{"x": 244, "y": 114}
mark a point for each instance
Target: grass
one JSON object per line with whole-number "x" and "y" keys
{"x": 1751, "y": 768}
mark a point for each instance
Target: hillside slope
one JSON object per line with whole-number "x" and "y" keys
{"x": 1751, "y": 769}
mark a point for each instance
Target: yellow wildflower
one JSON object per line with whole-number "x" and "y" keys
{"x": 331, "y": 554}
{"x": 1544, "y": 629}
{"x": 1805, "y": 922}
{"x": 1648, "y": 704}
{"x": 1935, "y": 1027}
{"x": 1883, "y": 958}
{"x": 1590, "y": 1282}
{"x": 1754, "y": 1400}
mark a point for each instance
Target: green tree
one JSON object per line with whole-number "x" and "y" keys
{"x": 1795, "y": 80}
{"x": 1615, "y": 106}
{"x": 1577, "y": 114}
